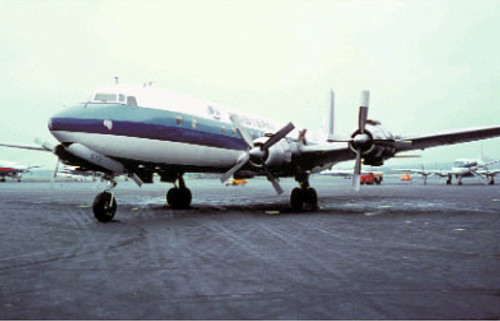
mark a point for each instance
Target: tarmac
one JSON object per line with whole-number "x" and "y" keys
{"x": 394, "y": 251}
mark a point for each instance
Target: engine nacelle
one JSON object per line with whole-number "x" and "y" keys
{"x": 277, "y": 156}
{"x": 374, "y": 153}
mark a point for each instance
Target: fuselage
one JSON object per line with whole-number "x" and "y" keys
{"x": 11, "y": 169}
{"x": 155, "y": 126}
{"x": 462, "y": 167}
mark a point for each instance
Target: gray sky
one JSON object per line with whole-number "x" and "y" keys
{"x": 430, "y": 65}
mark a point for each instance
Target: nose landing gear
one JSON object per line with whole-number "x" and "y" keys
{"x": 105, "y": 205}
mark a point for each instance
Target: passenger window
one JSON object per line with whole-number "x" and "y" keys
{"x": 195, "y": 123}
{"x": 131, "y": 101}
{"x": 223, "y": 129}
{"x": 178, "y": 120}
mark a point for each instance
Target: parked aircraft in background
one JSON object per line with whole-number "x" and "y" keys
{"x": 366, "y": 177}
{"x": 139, "y": 131}
{"x": 77, "y": 174}
{"x": 13, "y": 170}
{"x": 425, "y": 173}
{"x": 461, "y": 168}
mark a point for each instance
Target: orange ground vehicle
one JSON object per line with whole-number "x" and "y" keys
{"x": 371, "y": 178}
{"x": 235, "y": 182}
{"x": 405, "y": 177}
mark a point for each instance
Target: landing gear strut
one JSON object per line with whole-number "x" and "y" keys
{"x": 303, "y": 196}
{"x": 105, "y": 204}
{"x": 179, "y": 197}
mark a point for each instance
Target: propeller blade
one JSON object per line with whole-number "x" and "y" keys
{"x": 363, "y": 115}
{"x": 278, "y": 136}
{"x": 241, "y": 130}
{"x": 54, "y": 174}
{"x": 363, "y": 110}
{"x": 273, "y": 180}
{"x": 242, "y": 160}
{"x": 45, "y": 144}
{"x": 357, "y": 172}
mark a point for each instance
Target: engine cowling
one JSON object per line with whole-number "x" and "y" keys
{"x": 279, "y": 155}
{"x": 373, "y": 143}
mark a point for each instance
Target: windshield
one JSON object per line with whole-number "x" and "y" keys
{"x": 105, "y": 97}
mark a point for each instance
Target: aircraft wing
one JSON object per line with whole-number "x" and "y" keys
{"x": 312, "y": 156}
{"x": 447, "y": 138}
{"x": 409, "y": 170}
{"x": 28, "y": 147}
{"x": 422, "y": 172}
{"x": 489, "y": 172}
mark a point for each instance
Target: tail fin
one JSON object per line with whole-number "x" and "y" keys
{"x": 331, "y": 116}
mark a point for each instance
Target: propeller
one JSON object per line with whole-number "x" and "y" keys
{"x": 360, "y": 139}
{"x": 256, "y": 154}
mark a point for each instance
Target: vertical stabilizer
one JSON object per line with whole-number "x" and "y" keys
{"x": 331, "y": 116}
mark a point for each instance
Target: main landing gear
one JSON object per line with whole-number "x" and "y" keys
{"x": 179, "y": 197}
{"x": 303, "y": 196}
{"x": 105, "y": 205}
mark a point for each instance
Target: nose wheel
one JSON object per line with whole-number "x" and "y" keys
{"x": 104, "y": 206}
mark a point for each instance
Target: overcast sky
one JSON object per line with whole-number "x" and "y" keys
{"x": 430, "y": 65}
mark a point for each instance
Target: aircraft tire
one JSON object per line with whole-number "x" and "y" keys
{"x": 178, "y": 198}
{"x": 104, "y": 207}
{"x": 297, "y": 199}
{"x": 311, "y": 198}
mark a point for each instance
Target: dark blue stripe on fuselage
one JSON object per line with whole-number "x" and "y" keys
{"x": 145, "y": 123}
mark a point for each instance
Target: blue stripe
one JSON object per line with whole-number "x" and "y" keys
{"x": 146, "y": 123}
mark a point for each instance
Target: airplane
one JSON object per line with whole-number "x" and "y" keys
{"x": 142, "y": 130}
{"x": 13, "y": 170}
{"x": 76, "y": 174}
{"x": 425, "y": 173}
{"x": 461, "y": 168}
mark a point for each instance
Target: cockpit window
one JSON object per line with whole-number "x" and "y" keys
{"x": 104, "y": 97}
{"x": 131, "y": 101}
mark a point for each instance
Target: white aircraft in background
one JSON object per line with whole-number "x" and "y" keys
{"x": 13, "y": 170}
{"x": 76, "y": 174}
{"x": 461, "y": 168}
{"x": 139, "y": 131}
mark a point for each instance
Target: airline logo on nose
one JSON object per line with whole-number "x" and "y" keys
{"x": 108, "y": 124}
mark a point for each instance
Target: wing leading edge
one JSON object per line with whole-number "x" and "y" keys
{"x": 448, "y": 138}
